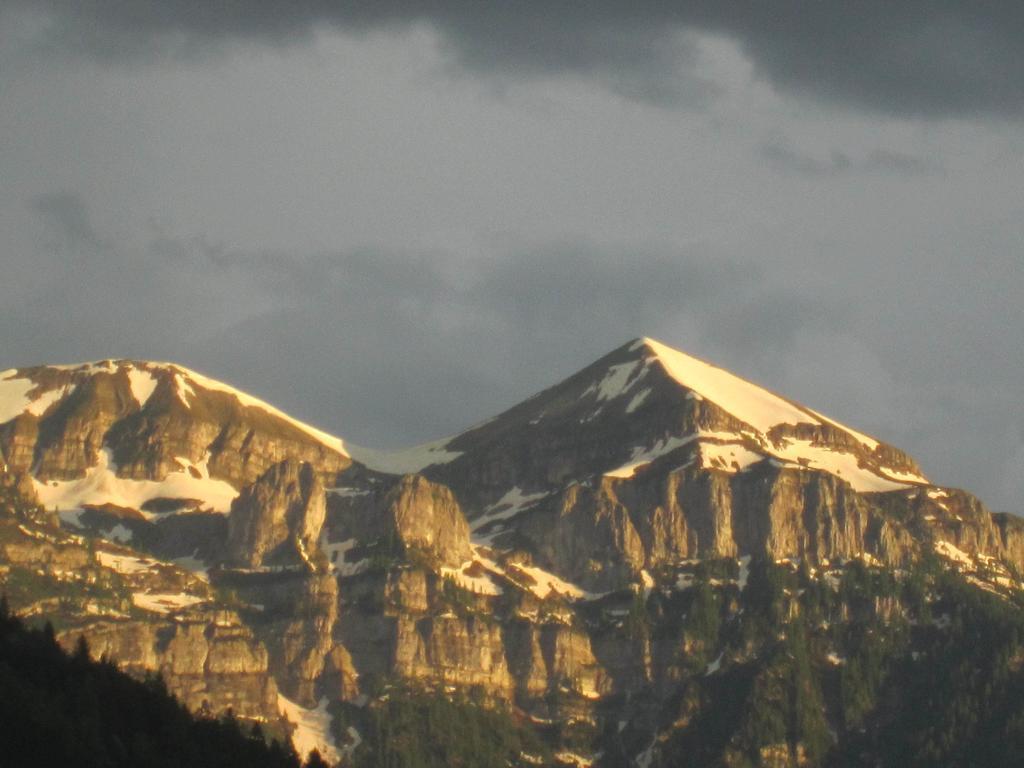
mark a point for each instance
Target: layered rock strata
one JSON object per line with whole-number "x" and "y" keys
{"x": 277, "y": 520}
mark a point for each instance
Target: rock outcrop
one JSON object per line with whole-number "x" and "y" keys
{"x": 276, "y": 521}
{"x": 412, "y": 513}
{"x": 295, "y": 621}
{"x": 603, "y": 535}
{"x": 425, "y": 515}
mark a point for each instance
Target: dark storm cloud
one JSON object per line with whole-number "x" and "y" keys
{"x": 381, "y": 347}
{"x": 391, "y": 348}
{"x": 918, "y": 57}
{"x": 410, "y": 353}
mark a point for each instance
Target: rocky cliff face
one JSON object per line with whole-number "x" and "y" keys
{"x": 146, "y": 615}
{"x": 293, "y": 614}
{"x": 277, "y": 519}
{"x": 604, "y": 536}
{"x": 408, "y": 513}
{"x": 211, "y": 661}
{"x": 426, "y": 516}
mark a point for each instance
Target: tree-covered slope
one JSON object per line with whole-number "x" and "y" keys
{"x": 68, "y": 710}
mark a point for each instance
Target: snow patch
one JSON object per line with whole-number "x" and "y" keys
{"x": 617, "y": 380}
{"x": 843, "y": 465}
{"x": 347, "y": 492}
{"x": 312, "y": 729}
{"x": 14, "y": 397}
{"x": 407, "y": 460}
{"x": 903, "y": 476}
{"x": 511, "y": 504}
{"x": 645, "y": 758}
{"x": 118, "y": 533}
{"x": 744, "y": 576}
{"x": 684, "y": 581}
{"x": 143, "y": 383}
{"x": 645, "y": 455}
{"x": 164, "y": 602}
{"x": 182, "y": 389}
{"x": 546, "y": 582}
{"x": 938, "y": 496}
{"x": 727, "y": 457}
{"x": 637, "y": 400}
{"x": 42, "y": 402}
{"x": 951, "y": 552}
{"x": 481, "y": 585}
{"x": 642, "y": 455}
{"x": 196, "y": 566}
{"x": 101, "y": 485}
{"x": 714, "y": 666}
{"x": 72, "y": 518}
{"x": 573, "y": 759}
{"x": 646, "y": 582}
{"x": 96, "y": 366}
{"x": 124, "y": 563}
{"x": 355, "y": 739}
{"x": 868, "y": 559}
{"x": 337, "y": 553}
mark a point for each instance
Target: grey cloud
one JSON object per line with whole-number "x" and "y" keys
{"x": 411, "y": 354}
{"x": 936, "y": 59}
{"x": 85, "y": 293}
{"x": 888, "y": 160}
{"x": 781, "y": 156}
{"x": 390, "y": 348}
{"x": 382, "y": 347}
{"x": 66, "y": 217}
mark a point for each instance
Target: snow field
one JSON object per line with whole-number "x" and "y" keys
{"x": 101, "y": 485}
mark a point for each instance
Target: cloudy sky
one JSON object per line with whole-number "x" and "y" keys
{"x": 394, "y": 222}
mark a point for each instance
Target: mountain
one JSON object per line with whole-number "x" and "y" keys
{"x": 646, "y": 403}
{"x": 593, "y": 562}
{"x": 140, "y": 421}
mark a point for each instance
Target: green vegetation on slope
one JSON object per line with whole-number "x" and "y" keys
{"x": 410, "y": 728}
{"x": 920, "y": 670}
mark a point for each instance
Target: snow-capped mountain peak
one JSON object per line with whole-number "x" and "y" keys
{"x": 646, "y": 402}
{"x": 748, "y": 402}
{"x": 36, "y": 390}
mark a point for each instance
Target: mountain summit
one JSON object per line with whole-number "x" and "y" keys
{"x": 645, "y": 403}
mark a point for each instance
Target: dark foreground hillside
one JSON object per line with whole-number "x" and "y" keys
{"x": 61, "y": 710}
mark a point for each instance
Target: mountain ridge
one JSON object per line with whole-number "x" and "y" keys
{"x": 41, "y": 391}
{"x": 556, "y": 558}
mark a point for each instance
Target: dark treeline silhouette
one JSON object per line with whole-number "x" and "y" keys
{"x": 68, "y": 710}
